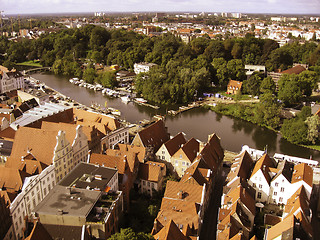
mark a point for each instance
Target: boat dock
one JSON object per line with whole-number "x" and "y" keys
{"x": 145, "y": 104}
{"x": 183, "y": 109}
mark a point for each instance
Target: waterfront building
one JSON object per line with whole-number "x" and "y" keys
{"x": 11, "y": 81}
{"x": 234, "y": 87}
{"x": 143, "y": 67}
{"x": 152, "y": 136}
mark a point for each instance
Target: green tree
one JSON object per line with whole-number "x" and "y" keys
{"x": 267, "y": 111}
{"x": 221, "y": 72}
{"x": 236, "y": 69}
{"x": 307, "y": 81}
{"x": 108, "y": 79}
{"x": 252, "y": 84}
{"x": 267, "y": 84}
{"x": 289, "y": 90}
{"x": 129, "y": 234}
{"x": 313, "y": 123}
{"x": 295, "y": 131}
{"x": 89, "y": 75}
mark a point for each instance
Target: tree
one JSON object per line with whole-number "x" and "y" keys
{"x": 295, "y": 131}
{"x": 129, "y": 234}
{"x": 89, "y": 75}
{"x": 307, "y": 81}
{"x": 108, "y": 79}
{"x": 267, "y": 85}
{"x": 313, "y": 123}
{"x": 221, "y": 72}
{"x": 252, "y": 84}
{"x": 279, "y": 58}
{"x": 236, "y": 69}
{"x": 267, "y": 111}
{"x": 289, "y": 90}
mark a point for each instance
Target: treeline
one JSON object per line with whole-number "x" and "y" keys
{"x": 184, "y": 71}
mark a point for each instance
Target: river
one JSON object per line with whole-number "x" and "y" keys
{"x": 197, "y": 123}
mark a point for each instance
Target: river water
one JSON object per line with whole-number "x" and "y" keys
{"x": 197, "y": 123}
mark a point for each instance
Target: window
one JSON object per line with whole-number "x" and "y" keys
{"x": 260, "y": 185}
{"x": 275, "y": 193}
{"x": 254, "y": 185}
{"x": 180, "y": 156}
{"x": 282, "y": 189}
{"x": 280, "y": 199}
{"x": 148, "y": 184}
{"x": 276, "y": 184}
{"x": 183, "y": 163}
{"x": 259, "y": 194}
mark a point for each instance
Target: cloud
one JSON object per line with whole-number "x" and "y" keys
{"x": 268, "y": 6}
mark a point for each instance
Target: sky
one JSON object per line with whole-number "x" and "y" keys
{"x": 243, "y": 6}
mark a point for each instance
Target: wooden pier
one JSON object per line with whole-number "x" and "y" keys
{"x": 183, "y": 109}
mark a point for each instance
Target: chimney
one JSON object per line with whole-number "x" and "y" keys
{"x": 180, "y": 194}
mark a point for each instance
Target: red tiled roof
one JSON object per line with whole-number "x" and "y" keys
{"x": 175, "y": 143}
{"x": 170, "y": 232}
{"x": 302, "y": 172}
{"x": 154, "y": 135}
{"x": 295, "y": 70}
{"x": 41, "y": 145}
{"x": 263, "y": 163}
{"x": 109, "y": 161}
{"x": 150, "y": 172}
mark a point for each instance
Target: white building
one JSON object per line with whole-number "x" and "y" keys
{"x": 260, "y": 178}
{"x": 34, "y": 189}
{"x": 143, "y": 67}
{"x": 11, "y": 81}
{"x": 280, "y": 187}
{"x": 120, "y": 135}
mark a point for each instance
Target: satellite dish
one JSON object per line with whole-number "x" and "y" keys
{"x": 259, "y": 205}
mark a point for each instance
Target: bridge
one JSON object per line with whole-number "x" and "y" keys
{"x": 33, "y": 70}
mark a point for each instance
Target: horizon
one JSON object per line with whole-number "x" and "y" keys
{"x": 54, "y": 7}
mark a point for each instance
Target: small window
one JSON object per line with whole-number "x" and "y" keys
{"x": 275, "y": 193}
{"x": 282, "y": 189}
{"x": 254, "y": 185}
{"x": 280, "y": 199}
{"x": 260, "y": 185}
{"x": 259, "y": 194}
{"x": 276, "y": 184}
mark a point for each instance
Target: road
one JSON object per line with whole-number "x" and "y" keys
{"x": 209, "y": 227}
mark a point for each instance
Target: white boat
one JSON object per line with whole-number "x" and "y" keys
{"x": 125, "y": 99}
{"x": 141, "y": 100}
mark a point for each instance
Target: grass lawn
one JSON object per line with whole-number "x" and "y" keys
{"x": 315, "y": 147}
{"x": 30, "y": 63}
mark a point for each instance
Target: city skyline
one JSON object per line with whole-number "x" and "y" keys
{"x": 243, "y": 6}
